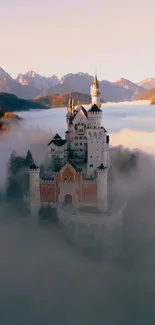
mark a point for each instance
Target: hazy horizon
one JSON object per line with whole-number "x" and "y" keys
{"x": 49, "y": 37}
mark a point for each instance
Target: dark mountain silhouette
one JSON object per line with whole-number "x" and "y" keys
{"x": 10, "y": 103}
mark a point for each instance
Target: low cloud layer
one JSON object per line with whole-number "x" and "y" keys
{"x": 46, "y": 280}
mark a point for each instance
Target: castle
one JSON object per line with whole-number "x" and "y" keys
{"x": 79, "y": 163}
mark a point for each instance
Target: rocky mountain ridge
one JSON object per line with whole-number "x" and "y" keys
{"x": 147, "y": 95}
{"x": 31, "y": 84}
{"x": 147, "y": 83}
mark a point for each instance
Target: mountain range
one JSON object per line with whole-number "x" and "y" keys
{"x": 32, "y": 85}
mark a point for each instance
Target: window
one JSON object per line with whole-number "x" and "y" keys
{"x": 91, "y": 165}
{"x": 80, "y": 143}
{"x": 75, "y": 126}
{"x": 76, "y": 144}
{"x": 80, "y": 149}
{"x": 90, "y": 156}
{"x": 75, "y": 138}
{"x": 80, "y": 137}
{"x": 52, "y": 150}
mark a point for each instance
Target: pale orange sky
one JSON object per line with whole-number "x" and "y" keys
{"x": 116, "y": 37}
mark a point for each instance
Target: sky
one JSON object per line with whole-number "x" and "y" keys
{"x": 59, "y": 37}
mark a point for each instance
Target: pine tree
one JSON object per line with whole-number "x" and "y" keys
{"x": 42, "y": 170}
{"x": 12, "y": 166}
{"x": 29, "y": 159}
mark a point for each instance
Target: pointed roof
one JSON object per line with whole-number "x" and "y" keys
{"x": 84, "y": 110}
{"x": 70, "y": 162}
{"x": 57, "y": 140}
{"x": 74, "y": 165}
{"x": 57, "y": 136}
{"x": 33, "y": 166}
{"x": 95, "y": 82}
{"x": 101, "y": 167}
{"x": 94, "y": 109}
{"x": 76, "y": 112}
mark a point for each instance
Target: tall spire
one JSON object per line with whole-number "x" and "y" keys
{"x": 70, "y": 101}
{"x": 70, "y": 108}
{"x": 96, "y": 80}
{"x": 95, "y": 91}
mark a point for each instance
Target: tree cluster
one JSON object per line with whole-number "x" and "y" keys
{"x": 18, "y": 175}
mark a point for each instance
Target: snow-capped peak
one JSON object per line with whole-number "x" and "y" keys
{"x": 147, "y": 83}
{"x": 31, "y": 74}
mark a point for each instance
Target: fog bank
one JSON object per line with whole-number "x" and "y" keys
{"x": 47, "y": 280}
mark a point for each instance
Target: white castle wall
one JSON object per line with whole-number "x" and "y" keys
{"x": 79, "y": 140}
{"x": 86, "y": 229}
{"x": 102, "y": 202}
{"x": 95, "y": 95}
{"x": 96, "y": 100}
{"x": 34, "y": 191}
{"x": 57, "y": 153}
{"x": 95, "y": 119}
{"x": 97, "y": 149}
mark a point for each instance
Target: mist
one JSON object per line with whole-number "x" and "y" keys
{"x": 48, "y": 280}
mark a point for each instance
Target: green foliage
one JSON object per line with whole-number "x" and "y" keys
{"x": 15, "y": 164}
{"x": 29, "y": 159}
{"x": 42, "y": 170}
{"x": 13, "y": 188}
{"x": 12, "y": 103}
{"x": 18, "y": 175}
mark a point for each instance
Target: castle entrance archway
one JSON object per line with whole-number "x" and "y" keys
{"x": 68, "y": 199}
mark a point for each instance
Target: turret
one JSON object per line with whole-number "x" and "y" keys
{"x": 95, "y": 92}
{"x": 70, "y": 109}
{"x": 95, "y": 117}
{"x": 34, "y": 173}
{"x": 102, "y": 200}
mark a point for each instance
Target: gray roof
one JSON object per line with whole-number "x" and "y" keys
{"x": 94, "y": 109}
{"x": 57, "y": 141}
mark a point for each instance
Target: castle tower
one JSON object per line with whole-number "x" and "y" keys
{"x": 102, "y": 200}
{"x": 97, "y": 141}
{"x": 35, "y": 204}
{"x": 70, "y": 109}
{"x": 95, "y": 92}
